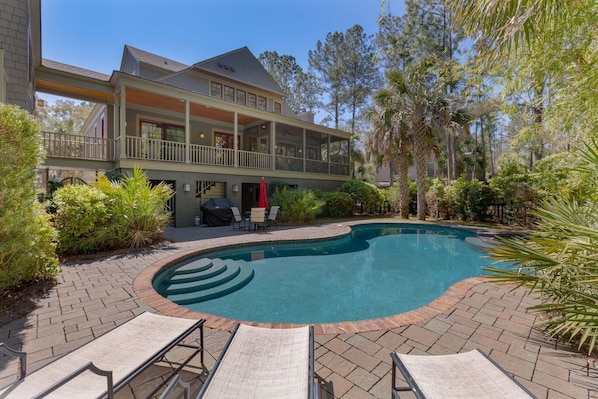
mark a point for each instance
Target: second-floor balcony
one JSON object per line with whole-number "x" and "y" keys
{"x": 68, "y": 146}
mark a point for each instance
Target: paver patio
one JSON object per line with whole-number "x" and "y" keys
{"x": 94, "y": 296}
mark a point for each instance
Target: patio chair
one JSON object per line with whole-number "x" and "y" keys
{"x": 238, "y": 220}
{"x": 258, "y": 218}
{"x": 118, "y": 356}
{"x": 272, "y": 215}
{"x": 264, "y": 363}
{"x": 464, "y": 375}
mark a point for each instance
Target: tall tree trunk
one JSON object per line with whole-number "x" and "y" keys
{"x": 403, "y": 171}
{"x": 420, "y": 155}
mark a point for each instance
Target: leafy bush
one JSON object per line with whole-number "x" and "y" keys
{"x": 338, "y": 204}
{"x": 80, "y": 211}
{"x": 473, "y": 198}
{"x": 111, "y": 214}
{"x": 514, "y": 183}
{"x": 27, "y": 239}
{"x": 296, "y": 205}
{"x": 439, "y": 200}
{"x": 366, "y": 194}
{"x": 394, "y": 197}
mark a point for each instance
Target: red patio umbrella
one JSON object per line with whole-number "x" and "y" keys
{"x": 262, "y": 201}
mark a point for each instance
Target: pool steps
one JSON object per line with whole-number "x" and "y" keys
{"x": 205, "y": 279}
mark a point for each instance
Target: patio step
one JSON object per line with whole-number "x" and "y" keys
{"x": 236, "y": 276}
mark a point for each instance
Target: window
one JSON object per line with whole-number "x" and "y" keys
{"x": 216, "y": 90}
{"x": 251, "y": 100}
{"x": 162, "y": 131}
{"x": 277, "y": 107}
{"x": 241, "y": 96}
{"x": 229, "y": 93}
{"x": 261, "y": 103}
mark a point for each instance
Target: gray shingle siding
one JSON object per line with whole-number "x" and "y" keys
{"x": 14, "y": 40}
{"x": 190, "y": 81}
{"x": 242, "y": 66}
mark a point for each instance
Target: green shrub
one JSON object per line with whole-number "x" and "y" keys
{"x": 338, "y": 204}
{"x": 27, "y": 239}
{"x": 80, "y": 211}
{"x": 111, "y": 214}
{"x": 473, "y": 198}
{"x": 365, "y": 195}
{"x": 439, "y": 201}
{"x": 296, "y": 205}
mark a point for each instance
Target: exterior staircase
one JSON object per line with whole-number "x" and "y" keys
{"x": 203, "y": 279}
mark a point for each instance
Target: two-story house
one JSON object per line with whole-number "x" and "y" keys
{"x": 211, "y": 129}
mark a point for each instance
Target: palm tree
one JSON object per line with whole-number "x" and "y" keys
{"x": 390, "y": 139}
{"x": 415, "y": 86}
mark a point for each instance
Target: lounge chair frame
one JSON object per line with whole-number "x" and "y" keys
{"x": 313, "y": 387}
{"x": 410, "y": 378}
{"x": 111, "y": 386}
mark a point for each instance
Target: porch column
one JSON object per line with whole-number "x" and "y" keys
{"x": 328, "y": 153}
{"x": 273, "y": 144}
{"x": 187, "y": 131}
{"x": 304, "y": 149}
{"x": 236, "y": 139}
{"x": 122, "y": 122}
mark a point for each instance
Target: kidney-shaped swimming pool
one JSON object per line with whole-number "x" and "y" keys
{"x": 376, "y": 271}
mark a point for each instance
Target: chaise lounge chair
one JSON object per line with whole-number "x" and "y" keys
{"x": 108, "y": 363}
{"x": 264, "y": 363}
{"x": 468, "y": 375}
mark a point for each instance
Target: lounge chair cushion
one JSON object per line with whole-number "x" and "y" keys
{"x": 122, "y": 350}
{"x": 263, "y": 363}
{"x": 464, "y": 375}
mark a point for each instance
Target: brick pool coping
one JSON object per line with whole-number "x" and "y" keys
{"x": 144, "y": 290}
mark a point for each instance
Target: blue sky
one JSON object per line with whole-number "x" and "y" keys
{"x": 92, "y": 33}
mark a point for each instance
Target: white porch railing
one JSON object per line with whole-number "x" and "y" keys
{"x": 206, "y": 155}
{"x": 72, "y": 146}
{"x": 255, "y": 160}
{"x": 154, "y": 150}
{"x": 58, "y": 145}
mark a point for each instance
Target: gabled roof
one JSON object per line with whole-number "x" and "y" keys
{"x": 242, "y": 66}
{"x": 144, "y": 57}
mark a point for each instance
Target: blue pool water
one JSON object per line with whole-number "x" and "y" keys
{"x": 376, "y": 271}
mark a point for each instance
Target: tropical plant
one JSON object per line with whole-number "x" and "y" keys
{"x": 111, "y": 214}
{"x": 296, "y": 204}
{"x": 138, "y": 209}
{"x": 390, "y": 138}
{"x": 558, "y": 259}
{"x": 27, "y": 239}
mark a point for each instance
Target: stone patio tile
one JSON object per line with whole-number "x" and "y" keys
{"x": 364, "y": 379}
{"x": 339, "y": 364}
{"x": 364, "y": 344}
{"x": 424, "y": 337}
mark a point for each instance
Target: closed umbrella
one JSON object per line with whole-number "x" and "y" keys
{"x": 262, "y": 201}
